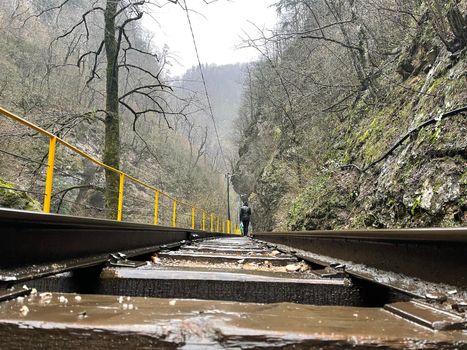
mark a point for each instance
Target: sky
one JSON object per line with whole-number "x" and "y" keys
{"x": 218, "y": 28}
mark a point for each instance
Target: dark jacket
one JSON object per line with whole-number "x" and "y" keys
{"x": 245, "y": 213}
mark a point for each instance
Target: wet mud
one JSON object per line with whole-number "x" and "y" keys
{"x": 64, "y": 320}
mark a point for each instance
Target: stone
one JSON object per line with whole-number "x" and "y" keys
{"x": 292, "y": 267}
{"x": 436, "y": 297}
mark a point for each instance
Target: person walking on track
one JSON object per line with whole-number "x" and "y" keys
{"x": 245, "y": 214}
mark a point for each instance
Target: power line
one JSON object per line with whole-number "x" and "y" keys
{"x": 204, "y": 84}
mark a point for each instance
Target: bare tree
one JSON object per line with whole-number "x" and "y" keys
{"x": 449, "y": 23}
{"x": 114, "y": 48}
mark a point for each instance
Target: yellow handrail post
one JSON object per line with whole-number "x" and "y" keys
{"x": 229, "y": 227}
{"x": 193, "y": 218}
{"x": 174, "y": 216}
{"x": 156, "y": 207}
{"x": 120, "y": 197}
{"x": 50, "y": 174}
{"x": 54, "y": 140}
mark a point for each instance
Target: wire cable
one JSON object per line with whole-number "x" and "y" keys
{"x": 21, "y": 157}
{"x": 204, "y": 84}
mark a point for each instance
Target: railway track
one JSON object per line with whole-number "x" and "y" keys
{"x": 142, "y": 286}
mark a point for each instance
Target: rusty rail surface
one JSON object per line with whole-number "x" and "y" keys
{"x": 56, "y": 243}
{"x": 435, "y": 254}
{"x": 37, "y": 244}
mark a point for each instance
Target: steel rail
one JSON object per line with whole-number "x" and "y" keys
{"x": 32, "y": 239}
{"x": 437, "y": 254}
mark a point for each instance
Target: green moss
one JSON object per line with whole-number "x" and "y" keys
{"x": 435, "y": 134}
{"x": 346, "y": 158}
{"x": 371, "y": 152}
{"x": 277, "y": 133}
{"x": 362, "y": 138}
{"x": 317, "y": 204}
{"x": 416, "y": 205}
{"x": 11, "y": 198}
{"x": 462, "y": 203}
{"x": 417, "y": 83}
{"x": 437, "y": 84}
{"x": 370, "y": 142}
{"x": 463, "y": 179}
{"x": 5, "y": 184}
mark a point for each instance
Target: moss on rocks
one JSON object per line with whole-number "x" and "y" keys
{"x": 320, "y": 206}
{"x": 12, "y": 198}
{"x": 421, "y": 183}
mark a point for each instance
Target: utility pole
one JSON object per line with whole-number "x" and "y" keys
{"x": 227, "y": 176}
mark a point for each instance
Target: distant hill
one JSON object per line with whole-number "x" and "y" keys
{"x": 224, "y": 85}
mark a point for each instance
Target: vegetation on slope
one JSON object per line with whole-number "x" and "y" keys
{"x": 339, "y": 84}
{"x": 40, "y": 81}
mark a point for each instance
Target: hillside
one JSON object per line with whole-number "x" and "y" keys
{"x": 307, "y": 155}
{"x": 224, "y": 85}
{"x": 42, "y": 82}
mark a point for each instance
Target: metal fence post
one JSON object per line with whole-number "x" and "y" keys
{"x": 156, "y": 207}
{"x": 50, "y": 174}
{"x": 193, "y": 218}
{"x": 174, "y": 216}
{"x": 120, "y": 197}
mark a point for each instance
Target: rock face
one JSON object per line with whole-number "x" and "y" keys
{"x": 12, "y": 198}
{"x": 422, "y": 183}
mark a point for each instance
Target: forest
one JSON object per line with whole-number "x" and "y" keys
{"x": 161, "y": 190}
{"x": 114, "y": 98}
{"x": 354, "y": 117}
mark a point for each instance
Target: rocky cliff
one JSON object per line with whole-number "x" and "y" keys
{"x": 337, "y": 171}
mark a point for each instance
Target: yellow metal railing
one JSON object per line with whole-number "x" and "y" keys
{"x": 53, "y": 140}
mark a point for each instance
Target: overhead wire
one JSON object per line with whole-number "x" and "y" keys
{"x": 205, "y": 85}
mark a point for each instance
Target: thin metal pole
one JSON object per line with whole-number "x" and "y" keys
{"x": 50, "y": 175}
{"x": 192, "y": 218}
{"x": 120, "y": 197}
{"x": 228, "y": 196}
{"x": 156, "y": 207}
{"x": 174, "y": 216}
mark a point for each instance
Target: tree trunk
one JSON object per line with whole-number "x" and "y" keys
{"x": 89, "y": 173}
{"x": 112, "y": 121}
{"x": 458, "y": 24}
